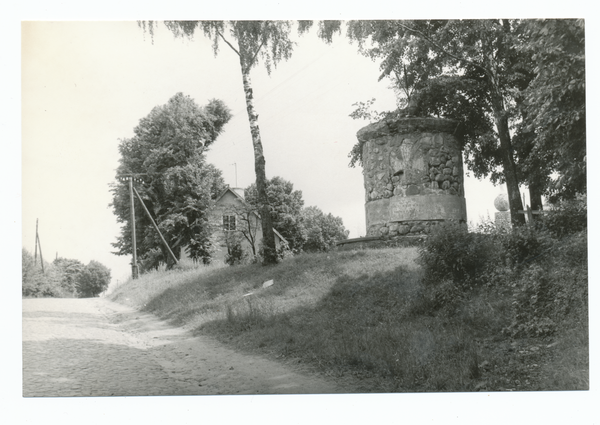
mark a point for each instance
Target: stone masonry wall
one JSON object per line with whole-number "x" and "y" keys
{"x": 413, "y": 175}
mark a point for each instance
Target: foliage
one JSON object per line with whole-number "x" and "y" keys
{"x": 36, "y": 283}
{"x": 323, "y": 232}
{"x": 566, "y": 217}
{"x": 363, "y": 111}
{"x": 93, "y": 279}
{"x": 266, "y": 40}
{"x": 524, "y": 245}
{"x": 179, "y": 187}
{"x": 285, "y": 206}
{"x": 366, "y": 316}
{"x": 306, "y": 229}
{"x": 63, "y": 278}
{"x": 550, "y": 293}
{"x": 235, "y": 252}
{"x": 555, "y": 100}
{"x": 516, "y": 86}
{"x": 452, "y": 253}
{"x": 543, "y": 266}
{"x": 70, "y": 269}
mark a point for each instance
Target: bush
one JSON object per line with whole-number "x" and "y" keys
{"x": 235, "y": 255}
{"x": 525, "y": 244}
{"x": 93, "y": 280}
{"x": 566, "y": 217}
{"x": 553, "y": 291}
{"x": 450, "y": 252}
{"x": 36, "y": 283}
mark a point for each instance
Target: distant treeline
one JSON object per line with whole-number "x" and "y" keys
{"x": 63, "y": 278}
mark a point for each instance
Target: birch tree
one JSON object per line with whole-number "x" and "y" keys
{"x": 253, "y": 42}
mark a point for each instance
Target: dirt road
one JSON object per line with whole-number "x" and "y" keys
{"x": 94, "y": 347}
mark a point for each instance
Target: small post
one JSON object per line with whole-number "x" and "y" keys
{"x": 529, "y": 214}
{"x": 134, "y": 265}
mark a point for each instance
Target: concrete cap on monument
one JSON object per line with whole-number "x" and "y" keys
{"x": 501, "y": 202}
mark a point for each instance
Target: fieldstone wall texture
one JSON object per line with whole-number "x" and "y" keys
{"x": 413, "y": 174}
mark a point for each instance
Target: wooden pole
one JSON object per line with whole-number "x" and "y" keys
{"x": 134, "y": 265}
{"x": 36, "y": 241}
{"x": 37, "y": 237}
{"x": 155, "y": 226}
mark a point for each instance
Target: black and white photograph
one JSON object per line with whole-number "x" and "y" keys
{"x": 385, "y": 217}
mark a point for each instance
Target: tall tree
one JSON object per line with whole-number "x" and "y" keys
{"x": 285, "y": 209}
{"x": 555, "y": 102}
{"x": 250, "y": 41}
{"x": 179, "y": 186}
{"x": 322, "y": 231}
{"x": 70, "y": 269}
{"x": 414, "y": 53}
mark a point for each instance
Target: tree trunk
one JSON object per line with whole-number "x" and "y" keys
{"x": 535, "y": 195}
{"x": 510, "y": 173}
{"x": 508, "y": 162}
{"x": 270, "y": 253}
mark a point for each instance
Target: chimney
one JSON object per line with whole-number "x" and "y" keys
{"x": 238, "y": 190}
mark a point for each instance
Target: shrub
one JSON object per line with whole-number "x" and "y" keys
{"x": 36, "y": 283}
{"x": 525, "y": 244}
{"x": 548, "y": 296}
{"x": 451, "y": 252}
{"x": 235, "y": 255}
{"x": 93, "y": 279}
{"x": 566, "y": 217}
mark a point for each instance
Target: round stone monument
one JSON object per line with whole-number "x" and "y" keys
{"x": 413, "y": 175}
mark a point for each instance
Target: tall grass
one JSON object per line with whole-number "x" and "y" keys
{"x": 346, "y": 313}
{"x": 364, "y": 315}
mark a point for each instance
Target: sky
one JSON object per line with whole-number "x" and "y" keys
{"x": 74, "y": 89}
{"x": 86, "y": 85}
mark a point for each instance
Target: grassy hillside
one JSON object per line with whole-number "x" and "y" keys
{"x": 366, "y": 315}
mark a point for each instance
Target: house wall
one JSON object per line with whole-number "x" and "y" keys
{"x": 230, "y": 204}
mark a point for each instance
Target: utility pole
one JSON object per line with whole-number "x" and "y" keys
{"x": 134, "y": 264}
{"x": 156, "y": 227}
{"x": 38, "y": 243}
{"x": 129, "y": 178}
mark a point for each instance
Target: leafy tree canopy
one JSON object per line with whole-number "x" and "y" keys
{"x": 322, "y": 231}
{"x": 93, "y": 279}
{"x": 555, "y": 101}
{"x": 502, "y": 79}
{"x": 306, "y": 229}
{"x": 178, "y": 187}
{"x": 285, "y": 206}
{"x": 268, "y": 41}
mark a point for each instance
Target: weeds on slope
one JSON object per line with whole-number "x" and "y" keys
{"x": 377, "y": 316}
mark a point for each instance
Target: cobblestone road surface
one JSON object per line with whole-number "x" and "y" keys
{"x": 94, "y": 347}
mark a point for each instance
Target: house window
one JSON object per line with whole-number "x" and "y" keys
{"x": 229, "y": 222}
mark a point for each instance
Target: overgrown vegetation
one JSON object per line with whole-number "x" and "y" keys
{"x": 63, "y": 278}
{"x": 466, "y": 311}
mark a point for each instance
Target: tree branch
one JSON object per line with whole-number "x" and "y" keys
{"x": 255, "y": 55}
{"x": 441, "y": 49}
{"x": 228, "y": 43}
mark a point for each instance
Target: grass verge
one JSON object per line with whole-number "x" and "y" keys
{"x": 364, "y": 315}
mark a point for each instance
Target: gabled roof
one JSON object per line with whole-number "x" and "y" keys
{"x": 241, "y": 198}
{"x": 246, "y": 203}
